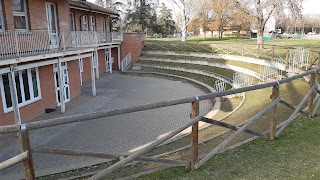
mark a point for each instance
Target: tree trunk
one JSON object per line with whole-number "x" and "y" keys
{"x": 183, "y": 34}
{"x": 260, "y": 40}
{"x": 184, "y": 25}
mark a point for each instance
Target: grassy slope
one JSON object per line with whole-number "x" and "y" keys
{"x": 294, "y": 155}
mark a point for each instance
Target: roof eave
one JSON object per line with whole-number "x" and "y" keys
{"x": 113, "y": 15}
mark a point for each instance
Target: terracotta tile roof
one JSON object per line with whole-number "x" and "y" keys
{"x": 91, "y": 6}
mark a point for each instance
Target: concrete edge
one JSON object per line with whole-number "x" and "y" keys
{"x": 212, "y": 64}
{"x": 246, "y": 59}
{"x": 193, "y": 82}
{"x": 215, "y": 109}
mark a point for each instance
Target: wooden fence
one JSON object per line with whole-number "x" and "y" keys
{"x": 195, "y": 162}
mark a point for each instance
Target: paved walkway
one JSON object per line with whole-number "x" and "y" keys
{"x": 118, "y": 134}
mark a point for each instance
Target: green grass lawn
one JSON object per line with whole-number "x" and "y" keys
{"x": 228, "y": 44}
{"x": 294, "y": 155}
{"x": 307, "y": 43}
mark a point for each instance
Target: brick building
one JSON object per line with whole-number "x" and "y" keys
{"x": 48, "y": 48}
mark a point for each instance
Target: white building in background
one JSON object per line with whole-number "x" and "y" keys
{"x": 269, "y": 30}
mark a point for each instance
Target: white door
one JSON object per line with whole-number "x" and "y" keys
{"x": 52, "y": 25}
{"x": 107, "y": 60}
{"x": 65, "y": 83}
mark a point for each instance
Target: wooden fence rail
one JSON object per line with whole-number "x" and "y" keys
{"x": 134, "y": 156}
{"x": 67, "y": 152}
{"x": 194, "y": 163}
{"x": 108, "y": 113}
{"x": 239, "y": 131}
{"x": 14, "y": 160}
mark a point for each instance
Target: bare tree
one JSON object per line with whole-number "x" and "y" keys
{"x": 262, "y": 10}
{"x": 222, "y": 14}
{"x": 240, "y": 21}
{"x": 188, "y": 9}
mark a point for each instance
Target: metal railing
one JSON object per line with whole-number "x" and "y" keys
{"x": 15, "y": 44}
{"x": 274, "y": 130}
{"x": 125, "y": 62}
{"x": 89, "y": 38}
{"x": 117, "y": 36}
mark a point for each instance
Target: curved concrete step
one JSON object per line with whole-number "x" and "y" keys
{"x": 206, "y": 63}
{"x": 251, "y": 60}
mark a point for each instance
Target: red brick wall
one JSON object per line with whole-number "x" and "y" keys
{"x": 102, "y": 61}
{"x": 132, "y": 42}
{"x": 86, "y": 74}
{"x": 37, "y": 18}
{"x": 37, "y": 108}
{"x": 79, "y": 13}
{"x": 114, "y": 54}
{"x": 74, "y": 78}
{"x": 48, "y": 94}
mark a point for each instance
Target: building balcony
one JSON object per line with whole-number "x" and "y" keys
{"x": 15, "y": 44}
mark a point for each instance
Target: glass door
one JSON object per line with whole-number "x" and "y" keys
{"x": 65, "y": 78}
{"x": 52, "y": 25}
{"x": 107, "y": 60}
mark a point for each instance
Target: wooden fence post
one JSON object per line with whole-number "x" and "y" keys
{"x": 273, "y": 122}
{"x": 195, "y": 135}
{"x": 24, "y": 141}
{"x": 311, "y": 98}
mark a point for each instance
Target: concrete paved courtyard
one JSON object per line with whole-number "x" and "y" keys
{"x": 120, "y": 134}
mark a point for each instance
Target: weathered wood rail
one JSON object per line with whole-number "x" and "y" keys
{"x": 194, "y": 163}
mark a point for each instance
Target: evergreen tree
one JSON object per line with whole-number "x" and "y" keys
{"x": 141, "y": 17}
{"x": 165, "y": 22}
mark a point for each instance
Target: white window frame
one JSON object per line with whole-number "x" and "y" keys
{"x": 103, "y": 24}
{"x": 1, "y": 17}
{"x": 23, "y": 14}
{"x": 85, "y": 24}
{"x": 73, "y": 22}
{"x": 24, "y": 102}
{"x": 64, "y": 66}
{"x": 93, "y": 23}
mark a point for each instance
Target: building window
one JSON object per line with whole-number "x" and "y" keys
{"x": 1, "y": 18}
{"x": 20, "y": 15}
{"x": 93, "y": 23}
{"x": 85, "y": 26}
{"x": 73, "y": 22}
{"x": 103, "y": 20}
{"x": 28, "y": 88}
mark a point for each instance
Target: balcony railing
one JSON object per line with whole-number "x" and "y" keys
{"x": 15, "y": 44}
